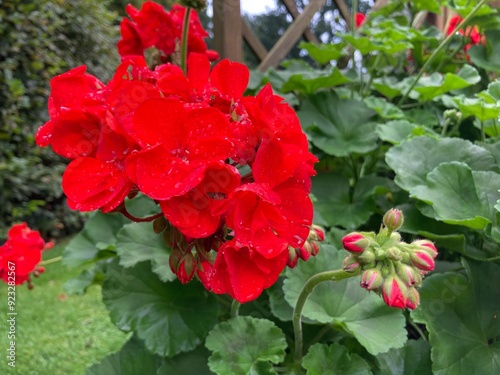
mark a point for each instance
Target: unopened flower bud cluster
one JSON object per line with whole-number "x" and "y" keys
{"x": 310, "y": 247}
{"x": 390, "y": 266}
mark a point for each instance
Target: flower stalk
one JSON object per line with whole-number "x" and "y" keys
{"x": 184, "y": 42}
{"x": 335, "y": 275}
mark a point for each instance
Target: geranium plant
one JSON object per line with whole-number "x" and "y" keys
{"x": 197, "y": 178}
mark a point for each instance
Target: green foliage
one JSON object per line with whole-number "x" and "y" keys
{"x": 238, "y": 347}
{"x": 39, "y": 40}
{"x": 387, "y": 134}
{"x": 334, "y": 360}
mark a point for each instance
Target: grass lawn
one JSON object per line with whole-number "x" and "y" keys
{"x": 57, "y": 334}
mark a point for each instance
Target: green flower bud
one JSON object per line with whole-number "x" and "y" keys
{"x": 393, "y": 219}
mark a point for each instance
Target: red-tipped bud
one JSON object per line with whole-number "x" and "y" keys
{"x": 175, "y": 259}
{"x": 315, "y": 249}
{"x": 413, "y": 299}
{"x": 48, "y": 245}
{"x": 318, "y": 233}
{"x": 160, "y": 224}
{"x": 371, "y": 279}
{"x": 293, "y": 257}
{"x": 350, "y": 263}
{"x": 187, "y": 268}
{"x": 355, "y": 243}
{"x": 408, "y": 274}
{"x": 422, "y": 260}
{"x": 305, "y": 251}
{"x": 393, "y": 292}
{"x": 426, "y": 246}
{"x": 393, "y": 219}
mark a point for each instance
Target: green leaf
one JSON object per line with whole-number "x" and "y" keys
{"x": 433, "y": 6}
{"x": 368, "y": 44}
{"x": 99, "y": 233}
{"x": 79, "y": 284}
{"x": 194, "y": 362}
{"x": 384, "y": 108}
{"x": 470, "y": 195}
{"x": 137, "y": 242}
{"x": 334, "y": 360}
{"x": 171, "y": 318}
{"x": 436, "y": 84}
{"x": 345, "y": 304}
{"x": 460, "y": 313}
{"x": 464, "y": 7}
{"x": 324, "y": 53}
{"x": 396, "y": 131}
{"x": 245, "y": 345}
{"x": 487, "y": 56}
{"x": 338, "y": 127}
{"x": 477, "y": 107}
{"x": 131, "y": 359}
{"x": 414, "y": 158}
{"x": 338, "y": 206}
{"x": 309, "y": 82}
{"x": 412, "y": 359}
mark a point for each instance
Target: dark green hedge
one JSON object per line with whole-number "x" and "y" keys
{"x": 40, "y": 39}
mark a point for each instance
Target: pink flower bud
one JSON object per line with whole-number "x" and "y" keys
{"x": 293, "y": 257}
{"x": 413, "y": 299}
{"x": 422, "y": 260}
{"x": 350, "y": 263}
{"x": 320, "y": 232}
{"x": 371, "y": 279}
{"x": 305, "y": 251}
{"x": 315, "y": 249}
{"x": 427, "y": 246}
{"x": 393, "y": 292}
{"x": 355, "y": 242}
{"x": 393, "y": 219}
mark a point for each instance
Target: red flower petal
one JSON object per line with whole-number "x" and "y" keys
{"x": 92, "y": 183}
{"x": 230, "y": 78}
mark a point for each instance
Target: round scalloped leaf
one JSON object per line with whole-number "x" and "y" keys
{"x": 334, "y": 360}
{"x": 461, "y": 314}
{"x": 137, "y": 242}
{"x": 245, "y": 345}
{"x": 170, "y": 317}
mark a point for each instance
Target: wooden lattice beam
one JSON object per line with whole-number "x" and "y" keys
{"x": 291, "y": 7}
{"x": 228, "y": 29}
{"x": 253, "y": 41}
{"x": 291, "y": 35}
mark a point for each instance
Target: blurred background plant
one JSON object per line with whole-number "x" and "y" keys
{"x": 40, "y": 39}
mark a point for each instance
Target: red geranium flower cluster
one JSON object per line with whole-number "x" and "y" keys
{"x": 230, "y": 173}
{"x": 21, "y": 254}
{"x": 470, "y": 32}
{"x": 153, "y": 27}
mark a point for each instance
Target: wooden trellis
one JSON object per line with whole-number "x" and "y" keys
{"x": 230, "y": 29}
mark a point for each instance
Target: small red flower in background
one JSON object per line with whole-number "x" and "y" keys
{"x": 359, "y": 18}
{"x": 470, "y": 31}
{"x": 152, "y": 26}
{"x": 21, "y": 254}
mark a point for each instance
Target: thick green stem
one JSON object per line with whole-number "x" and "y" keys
{"x": 235, "y": 309}
{"x": 443, "y": 44}
{"x": 184, "y": 42}
{"x": 309, "y": 286}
